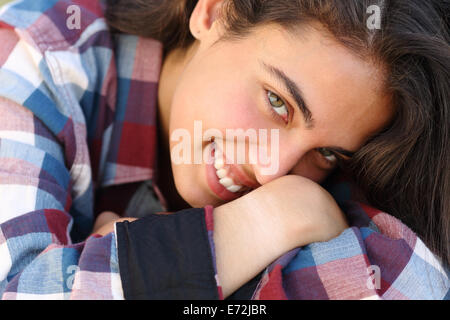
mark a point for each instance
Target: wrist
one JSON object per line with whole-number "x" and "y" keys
{"x": 324, "y": 221}
{"x": 244, "y": 245}
{"x": 301, "y": 214}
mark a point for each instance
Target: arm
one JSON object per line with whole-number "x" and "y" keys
{"x": 37, "y": 257}
{"x": 254, "y": 230}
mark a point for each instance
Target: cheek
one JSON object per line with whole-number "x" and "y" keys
{"x": 236, "y": 107}
{"x": 216, "y": 107}
{"x": 237, "y": 113}
{"x": 307, "y": 168}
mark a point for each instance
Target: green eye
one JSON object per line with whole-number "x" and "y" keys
{"x": 327, "y": 154}
{"x": 278, "y": 105}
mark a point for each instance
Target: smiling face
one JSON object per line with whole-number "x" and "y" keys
{"x": 322, "y": 100}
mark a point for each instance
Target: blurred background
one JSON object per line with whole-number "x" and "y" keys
{"x": 2, "y": 2}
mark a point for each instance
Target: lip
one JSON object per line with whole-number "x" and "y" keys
{"x": 240, "y": 177}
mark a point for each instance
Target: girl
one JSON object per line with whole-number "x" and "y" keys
{"x": 372, "y": 102}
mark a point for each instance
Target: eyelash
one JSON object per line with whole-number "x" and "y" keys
{"x": 329, "y": 162}
{"x": 273, "y": 113}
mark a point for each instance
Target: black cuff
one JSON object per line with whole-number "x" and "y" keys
{"x": 247, "y": 291}
{"x": 166, "y": 256}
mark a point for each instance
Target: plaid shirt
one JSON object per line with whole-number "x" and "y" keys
{"x": 78, "y": 110}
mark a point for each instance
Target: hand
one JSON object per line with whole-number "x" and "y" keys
{"x": 105, "y": 221}
{"x": 301, "y": 209}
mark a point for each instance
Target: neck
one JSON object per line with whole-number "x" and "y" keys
{"x": 171, "y": 70}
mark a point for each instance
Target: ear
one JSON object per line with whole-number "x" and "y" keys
{"x": 205, "y": 13}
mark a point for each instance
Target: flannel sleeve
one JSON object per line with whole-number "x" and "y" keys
{"x": 38, "y": 259}
{"x": 378, "y": 257}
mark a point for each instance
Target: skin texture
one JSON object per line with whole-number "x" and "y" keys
{"x": 224, "y": 86}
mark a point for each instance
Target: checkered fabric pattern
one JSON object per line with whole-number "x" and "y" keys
{"x": 77, "y": 113}
{"x": 378, "y": 257}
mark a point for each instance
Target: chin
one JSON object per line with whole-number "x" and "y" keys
{"x": 193, "y": 193}
{"x": 199, "y": 200}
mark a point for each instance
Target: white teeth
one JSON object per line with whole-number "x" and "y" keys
{"x": 226, "y": 182}
{"x": 234, "y": 188}
{"x": 218, "y": 164}
{"x": 229, "y": 184}
{"x": 221, "y": 173}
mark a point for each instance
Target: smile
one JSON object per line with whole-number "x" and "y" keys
{"x": 230, "y": 180}
{"x": 224, "y": 179}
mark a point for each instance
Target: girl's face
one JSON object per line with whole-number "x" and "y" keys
{"x": 320, "y": 101}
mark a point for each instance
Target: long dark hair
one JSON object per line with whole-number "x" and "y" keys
{"x": 403, "y": 170}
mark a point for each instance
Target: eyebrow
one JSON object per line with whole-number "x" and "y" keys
{"x": 295, "y": 92}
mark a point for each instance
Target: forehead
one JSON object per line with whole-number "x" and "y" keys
{"x": 344, "y": 92}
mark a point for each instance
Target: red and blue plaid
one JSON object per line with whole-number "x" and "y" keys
{"x": 78, "y": 113}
